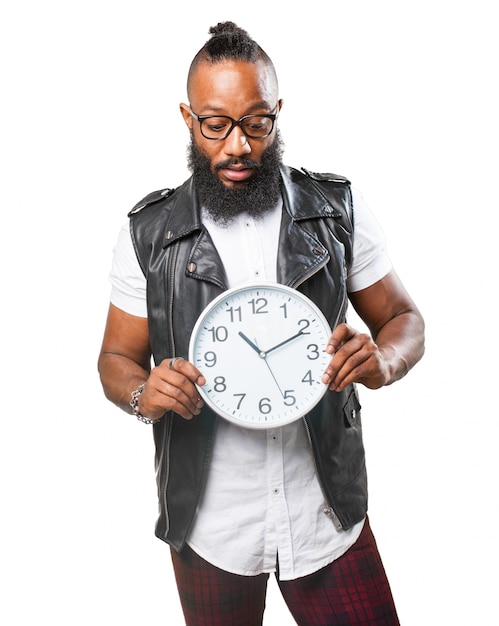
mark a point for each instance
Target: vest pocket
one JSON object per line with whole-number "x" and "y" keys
{"x": 351, "y": 410}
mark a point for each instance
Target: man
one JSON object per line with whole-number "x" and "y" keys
{"x": 237, "y": 503}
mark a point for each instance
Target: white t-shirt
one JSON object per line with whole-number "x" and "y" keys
{"x": 262, "y": 501}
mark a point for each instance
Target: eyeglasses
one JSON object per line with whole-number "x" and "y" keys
{"x": 220, "y": 126}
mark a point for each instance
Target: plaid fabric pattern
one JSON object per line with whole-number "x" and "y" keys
{"x": 352, "y": 590}
{"x": 212, "y": 597}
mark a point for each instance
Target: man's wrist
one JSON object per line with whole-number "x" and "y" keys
{"x": 396, "y": 365}
{"x": 134, "y": 403}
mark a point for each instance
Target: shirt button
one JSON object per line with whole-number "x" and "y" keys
{"x": 276, "y": 491}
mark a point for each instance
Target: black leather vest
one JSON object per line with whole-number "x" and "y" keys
{"x": 184, "y": 273}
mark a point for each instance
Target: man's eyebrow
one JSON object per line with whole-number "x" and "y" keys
{"x": 221, "y": 110}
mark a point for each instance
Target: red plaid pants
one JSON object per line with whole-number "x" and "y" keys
{"x": 353, "y": 589}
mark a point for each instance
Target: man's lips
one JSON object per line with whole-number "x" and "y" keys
{"x": 236, "y": 175}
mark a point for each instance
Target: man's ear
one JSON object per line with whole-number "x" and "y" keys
{"x": 185, "y": 109}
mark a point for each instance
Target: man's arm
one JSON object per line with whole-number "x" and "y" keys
{"x": 125, "y": 363}
{"x": 395, "y": 345}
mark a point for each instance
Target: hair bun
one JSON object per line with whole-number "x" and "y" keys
{"x": 227, "y": 28}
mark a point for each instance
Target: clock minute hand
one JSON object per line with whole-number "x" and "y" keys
{"x": 254, "y": 346}
{"x": 285, "y": 341}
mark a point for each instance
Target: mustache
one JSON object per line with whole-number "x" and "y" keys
{"x": 237, "y": 161}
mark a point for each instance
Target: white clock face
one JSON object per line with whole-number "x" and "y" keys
{"x": 261, "y": 349}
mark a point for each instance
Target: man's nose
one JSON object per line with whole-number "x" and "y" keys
{"x": 236, "y": 144}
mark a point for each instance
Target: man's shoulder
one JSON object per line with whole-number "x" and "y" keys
{"x": 325, "y": 177}
{"x": 297, "y": 175}
{"x": 323, "y": 195}
{"x": 152, "y": 198}
{"x": 162, "y": 198}
{"x": 317, "y": 194}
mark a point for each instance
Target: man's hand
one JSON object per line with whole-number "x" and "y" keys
{"x": 395, "y": 343}
{"x": 172, "y": 388}
{"x": 355, "y": 358}
{"x": 125, "y": 363}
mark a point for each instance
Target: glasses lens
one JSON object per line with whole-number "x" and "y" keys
{"x": 257, "y": 126}
{"x": 216, "y": 127}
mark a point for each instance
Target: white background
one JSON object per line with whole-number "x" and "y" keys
{"x": 401, "y": 97}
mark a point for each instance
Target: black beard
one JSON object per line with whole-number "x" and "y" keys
{"x": 257, "y": 197}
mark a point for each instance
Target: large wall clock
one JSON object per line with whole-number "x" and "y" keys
{"x": 261, "y": 348}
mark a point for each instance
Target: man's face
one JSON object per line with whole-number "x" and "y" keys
{"x": 234, "y": 89}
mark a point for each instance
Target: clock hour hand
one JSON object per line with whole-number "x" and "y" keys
{"x": 254, "y": 346}
{"x": 285, "y": 341}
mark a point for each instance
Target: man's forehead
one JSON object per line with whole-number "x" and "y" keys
{"x": 223, "y": 77}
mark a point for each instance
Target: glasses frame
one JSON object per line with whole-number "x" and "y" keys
{"x": 233, "y": 123}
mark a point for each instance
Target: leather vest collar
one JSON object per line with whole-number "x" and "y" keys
{"x": 300, "y": 202}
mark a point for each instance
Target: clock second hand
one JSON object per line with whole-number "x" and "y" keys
{"x": 262, "y": 355}
{"x": 272, "y": 373}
